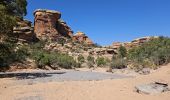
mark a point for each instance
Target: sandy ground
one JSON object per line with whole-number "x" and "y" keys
{"x": 117, "y": 89}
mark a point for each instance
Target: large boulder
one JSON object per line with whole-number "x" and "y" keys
{"x": 152, "y": 88}
{"x": 45, "y": 24}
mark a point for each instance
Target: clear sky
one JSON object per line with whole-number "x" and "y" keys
{"x": 107, "y": 21}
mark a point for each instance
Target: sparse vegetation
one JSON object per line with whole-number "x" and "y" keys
{"x": 122, "y": 52}
{"x": 10, "y": 10}
{"x": 48, "y": 58}
{"x": 90, "y": 61}
{"x": 81, "y": 59}
{"x": 8, "y": 54}
{"x": 118, "y": 63}
{"x": 61, "y": 41}
{"x": 101, "y": 61}
{"x": 151, "y": 54}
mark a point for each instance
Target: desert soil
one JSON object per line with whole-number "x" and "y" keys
{"x": 107, "y": 88}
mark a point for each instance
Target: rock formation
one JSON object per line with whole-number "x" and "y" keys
{"x": 45, "y": 24}
{"x": 116, "y": 45}
{"x": 134, "y": 43}
{"x": 81, "y": 37}
{"x": 24, "y": 31}
{"x": 64, "y": 29}
{"x": 102, "y": 51}
{"x": 48, "y": 25}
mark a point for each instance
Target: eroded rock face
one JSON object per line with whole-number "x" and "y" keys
{"x": 24, "y": 31}
{"x": 81, "y": 37}
{"x": 64, "y": 29}
{"x": 48, "y": 25}
{"x": 45, "y": 24}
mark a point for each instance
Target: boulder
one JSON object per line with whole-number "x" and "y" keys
{"x": 152, "y": 88}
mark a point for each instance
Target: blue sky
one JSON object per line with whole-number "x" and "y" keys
{"x": 107, "y": 21}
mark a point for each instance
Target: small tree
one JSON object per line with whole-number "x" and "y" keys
{"x": 81, "y": 59}
{"x": 122, "y": 51}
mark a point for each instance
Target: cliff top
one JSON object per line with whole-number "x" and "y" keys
{"x": 47, "y": 11}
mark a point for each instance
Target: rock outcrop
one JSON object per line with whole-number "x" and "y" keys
{"x": 64, "y": 29}
{"x": 81, "y": 37}
{"x": 48, "y": 25}
{"x": 102, "y": 51}
{"x": 45, "y": 24}
{"x": 24, "y": 31}
{"x": 134, "y": 43}
{"x": 116, "y": 45}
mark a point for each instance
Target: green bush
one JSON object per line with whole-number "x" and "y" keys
{"x": 81, "y": 59}
{"x": 21, "y": 54}
{"x": 101, "y": 61}
{"x": 5, "y": 53}
{"x": 122, "y": 51}
{"x": 44, "y": 58}
{"x": 9, "y": 55}
{"x": 156, "y": 51}
{"x": 90, "y": 61}
{"x": 66, "y": 61}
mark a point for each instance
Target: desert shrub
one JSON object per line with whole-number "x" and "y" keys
{"x": 38, "y": 45}
{"x": 44, "y": 58}
{"x": 9, "y": 55}
{"x": 21, "y": 54}
{"x": 138, "y": 66}
{"x": 66, "y": 61}
{"x": 81, "y": 59}
{"x": 61, "y": 41}
{"x": 5, "y": 53}
{"x": 153, "y": 53}
{"x": 90, "y": 61}
{"x": 135, "y": 66}
{"x": 101, "y": 61}
{"x": 122, "y": 51}
{"x": 118, "y": 63}
{"x": 147, "y": 63}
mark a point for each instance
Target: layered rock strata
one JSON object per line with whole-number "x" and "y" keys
{"x": 24, "y": 31}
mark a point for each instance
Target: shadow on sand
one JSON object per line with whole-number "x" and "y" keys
{"x": 30, "y": 75}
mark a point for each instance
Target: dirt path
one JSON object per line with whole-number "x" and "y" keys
{"x": 117, "y": 89}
